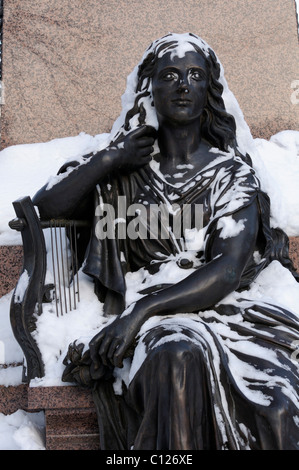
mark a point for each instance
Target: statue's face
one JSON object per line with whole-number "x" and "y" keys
{"x": 179, "y": 88}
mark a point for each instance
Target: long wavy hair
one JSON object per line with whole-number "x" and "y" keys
{"x": 217, "y": 127}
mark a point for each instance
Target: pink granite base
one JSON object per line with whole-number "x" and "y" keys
{"x": 71, "y": 420}
{"x": 13, "y": 399}
{"x": 72, "y": 429}
{"x": 70, "y": 416}
{"x": 65, "y": 63}
{"x": 11, "y": 260}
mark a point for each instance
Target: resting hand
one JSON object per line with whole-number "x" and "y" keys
{"x": 110, "y": 346}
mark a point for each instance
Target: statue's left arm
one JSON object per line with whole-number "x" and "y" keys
{"x": 201, "y": 290}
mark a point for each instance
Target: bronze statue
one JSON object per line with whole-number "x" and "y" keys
{"x": 205, "y": 367}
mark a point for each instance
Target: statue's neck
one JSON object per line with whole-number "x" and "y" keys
{"x": 182, "y": 148}
{"x": 178, "y": 144}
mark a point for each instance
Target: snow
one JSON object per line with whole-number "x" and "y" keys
{"x": 26, "y": 168}
{"x": 229, "y": 227}
{"x": 21, "y": 287}
{"x": 54, "y": 333}
{"x": 22, "y": 431}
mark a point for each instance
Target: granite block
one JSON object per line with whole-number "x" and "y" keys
{"x": 11, "y": 261}
{"x": 70, "y": 420}
{"x": 59, "y": 397}
{"x": 68, "y": 443}
{"x": 13, "y": 398}
{"x": 65, "y": 63}
{"x": 70, "y": 416}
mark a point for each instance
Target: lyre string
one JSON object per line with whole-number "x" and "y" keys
{"x": 62, "y": 253}
{"x": 76, "y": 261}
{"x": 58, "y": 268}
{"x": 73, "y": 263}
{"x": 63, "y": 278}
{"x": 54, "y": 269}
{"x": 68, "y": 270}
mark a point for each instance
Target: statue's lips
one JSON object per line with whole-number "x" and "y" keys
{"x": 181, "y": 102}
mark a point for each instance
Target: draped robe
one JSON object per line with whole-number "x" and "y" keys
{"x": 222, "y": 378}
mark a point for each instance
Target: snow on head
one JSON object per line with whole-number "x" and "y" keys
{"x": 138, "y": 94}
{"x": 178, "y": 45}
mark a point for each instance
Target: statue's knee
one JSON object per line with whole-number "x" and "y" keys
{"x": 177, "y": 351}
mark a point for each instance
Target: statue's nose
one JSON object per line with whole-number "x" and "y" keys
{"x": 183, "y": 87}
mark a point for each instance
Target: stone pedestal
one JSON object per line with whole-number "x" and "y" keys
{"x": 71, "y": 420}
{"x": 70, "y": 416}
{"x": 71, "y": 429}
{"x": 13, "y": 399}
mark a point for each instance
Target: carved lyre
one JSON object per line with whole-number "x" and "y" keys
{"x": 33, "y": 289}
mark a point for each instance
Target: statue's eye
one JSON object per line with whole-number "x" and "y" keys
{"x": 197, "y": 75}
{"x": 169, "y": 76}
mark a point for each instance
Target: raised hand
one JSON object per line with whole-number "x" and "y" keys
{"x": 134, "y": 150}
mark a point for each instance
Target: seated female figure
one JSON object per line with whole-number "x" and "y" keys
{"x": 205, "y": 367}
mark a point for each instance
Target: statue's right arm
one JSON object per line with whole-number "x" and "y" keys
{"x": 63, "y": 198}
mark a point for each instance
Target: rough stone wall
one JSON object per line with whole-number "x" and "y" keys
{"x": 65, "y": 63}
